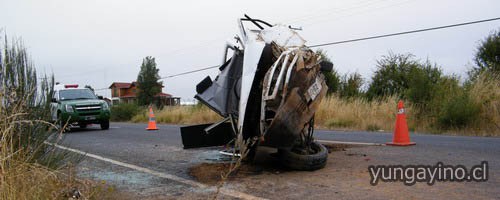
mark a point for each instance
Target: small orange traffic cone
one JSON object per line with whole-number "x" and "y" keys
{"x": 152, "y": 122}
{"x": 401, "y": 137}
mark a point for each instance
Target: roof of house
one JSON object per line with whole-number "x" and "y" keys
{"x": 120, "y": 85}
{"x": 125, "y": 85}
{"x": 161, "y": 94}
{"x": 128, "y": 96}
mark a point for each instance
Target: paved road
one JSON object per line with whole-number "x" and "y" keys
{"x": 346, "y": 175}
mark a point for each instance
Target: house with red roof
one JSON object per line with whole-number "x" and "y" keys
{"x": 122, "y": 92}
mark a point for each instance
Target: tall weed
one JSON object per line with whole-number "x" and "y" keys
{"x": 29, "y": 167}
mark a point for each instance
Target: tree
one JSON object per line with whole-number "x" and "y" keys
{"x": 148, "y": 82}
{"x": 391, "y": 75}
{"x": 424, "y": 82}
{"x": 403, "y": 75}
{"x": 350, "y": 85}
{"x": 332, "y": 78}
{"x": 487, "y": 56}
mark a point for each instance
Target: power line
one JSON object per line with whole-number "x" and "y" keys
{"x": 352, "y": 40}
{"x": 360, "y": 39}
{"x": 180, "y": 74}
{"x": 189, "y": 72}
{"x": 405, "y": 32}
{"x": 375, "y": 9}
{"x": 329, "y": 11}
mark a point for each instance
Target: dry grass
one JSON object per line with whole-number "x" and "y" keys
{"x": 359, "y": 114}
{"x": 21, "y": 175}
{"x": 21, "y": 178}
{"x": 180, "y": 115}
{"x": 31, "y": 181}
{"x": 486, "y": 92}
{"x": 334, "y": 113}
{"x": 30, "y": 169}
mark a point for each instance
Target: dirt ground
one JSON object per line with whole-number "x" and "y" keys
{"x": 344, "y": 177}
{"x": 211, "y": 173}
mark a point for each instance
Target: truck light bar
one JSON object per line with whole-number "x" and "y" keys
{"x": 71, "y": 86}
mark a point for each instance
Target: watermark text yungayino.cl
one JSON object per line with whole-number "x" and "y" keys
{"x": 411, "y": 174}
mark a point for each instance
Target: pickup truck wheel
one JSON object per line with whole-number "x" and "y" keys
{"x": 307, "y": 162}
{"x": 105, "y": 125}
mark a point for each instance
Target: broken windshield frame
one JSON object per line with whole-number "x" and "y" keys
{"x": 256, "y": 22}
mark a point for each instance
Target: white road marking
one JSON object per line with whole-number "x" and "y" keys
{"x": 114, "y": 127}
{"x": 353, "y": 143}
{"x": 228, "y": 192}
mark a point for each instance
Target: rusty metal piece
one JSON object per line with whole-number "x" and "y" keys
{"x": 284, "y": 117}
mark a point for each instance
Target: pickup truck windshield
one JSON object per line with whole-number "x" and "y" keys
{"x": 76, "y": 94}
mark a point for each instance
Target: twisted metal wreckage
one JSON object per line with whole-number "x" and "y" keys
{"x": 268, "y": 92}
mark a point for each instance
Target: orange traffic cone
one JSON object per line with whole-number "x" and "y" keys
{"x": 401, "y": 137}
{"x": 152, "y": 122}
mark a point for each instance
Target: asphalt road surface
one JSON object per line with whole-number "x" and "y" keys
{"x": 153, "y": 165}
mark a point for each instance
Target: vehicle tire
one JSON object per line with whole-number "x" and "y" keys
{"x": 105, "y": 125}
{"x": 252, "y": 152}
{"x": 83, "y": 125}
{"x": 309, "y": 162}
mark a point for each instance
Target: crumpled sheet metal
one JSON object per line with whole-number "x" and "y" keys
{"x": 294, "y": 106}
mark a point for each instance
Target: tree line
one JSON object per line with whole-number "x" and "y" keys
{"x": 423, "y": 84}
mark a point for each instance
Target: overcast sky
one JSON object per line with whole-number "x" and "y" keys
{"x": 98, "y": 42}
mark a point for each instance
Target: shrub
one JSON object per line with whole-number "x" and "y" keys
{"x": 485, "y": 91}
{"x": 459, "y": 112}
{"x": 487, "y": 58}
{"x": 124, "y": 111}
{"x": 141, "y": 117}
{"x": 422, "y": 84}
{"x": 406, "y": 77}
{"x": 350, "y": 85}
{"x": 391, "y": 76}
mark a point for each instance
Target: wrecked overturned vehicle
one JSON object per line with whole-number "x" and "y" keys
{"x": 267, "y": 92}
